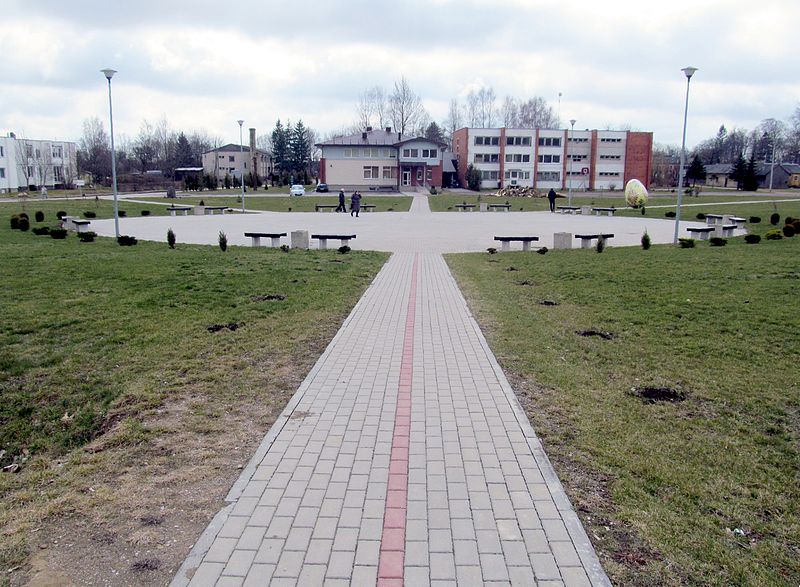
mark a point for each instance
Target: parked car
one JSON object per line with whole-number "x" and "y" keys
{"x": 322, "y": 187}
{"x": 297, "y": 190}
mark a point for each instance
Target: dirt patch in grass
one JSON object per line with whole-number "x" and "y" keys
{"x": 597, "y": 333}
{"x": 232, "y": 326}
{"x": 652, "y": 395}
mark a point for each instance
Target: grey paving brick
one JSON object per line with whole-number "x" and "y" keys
{"x": 239, "y": 563}
{"x": 319, "y": 550}
{"x": 443, "y": 566}
{"x": 493, "y": 567}
{"x": 341, "y": 564}
{"x": 259, "y": 575}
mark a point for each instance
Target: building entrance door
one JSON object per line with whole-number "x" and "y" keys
{"x": 406, "y": 177}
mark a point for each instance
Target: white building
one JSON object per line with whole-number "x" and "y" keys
{"x": 33, "y": 164}
{"x": 235, "y": 160}
{"x": 554, "y": 158}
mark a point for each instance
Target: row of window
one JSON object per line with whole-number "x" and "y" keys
{"x": 426, "y": 153}
{"x": 373, "y": 152}
{"x": 549, "y": 141}
{"x": 518, "y": 175}
{"x": 610, "y": 156}
{"x": 609, "y": 174}
{"x": 610, "y": 140}
{"x": 372, "y": 172}
{"x": 516, "y": 158}
{"x": 548, "y": 176}
{"x": 486, "y": 158}
{"x": 578, "y": 157}
{"x": 578, "y": 140}
{"x": 487, "y": 140}
{"x": 489, "y": 175}
{"x": 58, "y": 173}
{"x": 549, "y": 158}
{"x": 521, "y": 141}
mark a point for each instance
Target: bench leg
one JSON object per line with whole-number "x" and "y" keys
{"x": 276, "y": 241}
{"x": 586, "y": 243}
{"x": 610, "y": 214}
{"x": 323, "y": 243}
{"x": 172, "y": 213}
{"x": 526, "y": 245}
{"x": 256, "y": 241}
{"x": 505, "y": 246}
{"x": 183, "y": 212}
{"x": 345, "y": 242}
{"x": 704, "y": 236}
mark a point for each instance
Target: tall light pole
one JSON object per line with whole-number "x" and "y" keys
{"x": 109, "y": 73}
{"x": 688, "y": 72}
{"x": 569, "y": 159}
{"x": 772, "y": 165}
{"x": 241, "y": 156}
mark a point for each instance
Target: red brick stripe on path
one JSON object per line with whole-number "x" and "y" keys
{"x": 393, "y": 540}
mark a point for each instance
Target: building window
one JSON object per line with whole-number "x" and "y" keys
{"x": 348, "y": 153}
{"x": 577, "y": 157}
{"x": 609, "y": 174}
{"x": 549, "y": 142}
{"x": 487, "y": 158}
{"x": 406, "y": 153}
{"x": 58, "y": 151}
{"x": 370, "y": 172}
{"x": 548, "y": 176}
{"x": 419, "y": 174}
{"x": 489, "y": 175}
{"x": 30, "y": 171}
{"x": 2, "y": 151}
{"x": 526, "y": 141}
{"x": 578, "y": 140}
{"x": 430, "y": 153}
{"x": 487, "y": 140}
{"x": 429, "y": 174}
{"x": 231, "y": 158}
{"x": 2, "y": 172}
{"x": 610, "y": 157}
{"x": 390, "y": 173}
{"x": 549, "y": 158}
{"x": 610, "y": 140}
{"x": 58, "y": 173}
{"x": 29, "y": 150}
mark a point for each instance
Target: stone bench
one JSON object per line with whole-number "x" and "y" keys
{"x": 76, "y": 224}
{"x": 368, "y": 207}
{"x": 703, "y": 232}
{"x": 568, "y": 209}
{"x": 727, "y": 229}
{"x": 586, "y": 239}
{"x": 323, "y": 239}
{"x": 713, "y": 219}
{"x": 321, "y": 207}
{"x": 507, "y": 240}
{"x": 179, "y": 211}
{"x": 738, "y": 221}
{"x": 505, "y": 207}
{"x": 609, "y": 211}
{"x": 257, "y": 236}
{"x": 214, "y": 209}
{"x": 462, "y": 207}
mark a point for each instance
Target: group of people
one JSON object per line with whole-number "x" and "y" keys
{"x": 355, "y": 203}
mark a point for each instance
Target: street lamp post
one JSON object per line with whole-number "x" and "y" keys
{"x": 688, "y": 72}
{"x": 570, "y": 147}
{"x": 772, "y": 165}
{"x": 109, "y": 73}
{"x": 241, "y": 156}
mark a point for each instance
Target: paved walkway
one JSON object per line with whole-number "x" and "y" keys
{"x": 403, "y": 458}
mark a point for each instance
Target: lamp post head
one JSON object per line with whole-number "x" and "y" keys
{"x": 241, "y": 122}
{"x": 572, "y": 121}
{"x": 109, "y": 73}
{"x": 689, "y": 71}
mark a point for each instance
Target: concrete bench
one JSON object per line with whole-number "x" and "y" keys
{"x": 214, "y": 209}
{"x": 586, "y": 239}
{"x": 368, "y": 207}
{"x": 738, "y": 221}
{"x": 703, "y": 232}
{"x": 257, "y": 236}
{"x": 568, "y": 209}
{"x": 323, "y": 239}
{"x": 179, "y": 211}
{"x": 462, "y": 207}
{"x": 505, "y": 207}
{"x": 609, "y": 211}
{"x": 321, "y": 207}
{"x": 507, "y": 240}
{"x": 727, "y": 229}
{"x": 713, "y": 219}
{"x": 76, "y": 224}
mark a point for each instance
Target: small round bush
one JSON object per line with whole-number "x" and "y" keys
{"x": 145, "y": 212}
{"x": 24, "y": 215}
{"x": 670, "y": 214}
{"x": 796, "y": 225}
{"x": 773, "y": 235}
{"x": 686, "y": 243}
{"x": 121, "y": 213}
{"x": 41, "y": 230}
{"x": 716, "y": 241}
{"x": 90, "y": 214}
{"x": 58, "y": 233}
{"x": 788, "y": 229}
{"x": 39, "y": 216}
{"x": 646, "y": 241}
{"x": 171, "y": 238}
{"x": 774, "y": 218}
{"x": 24, "y": 224}
{"x": 87, "y": 237}
{"x": 789, "y": 220}
{"x": 14, "y": 222}
{"x": 61, "y": 214}
{"x": 344, "y": 249}
{"x": 126, "y": 241}
{"x": 223, "y": 241}
{"x": 754, "y": 219}
{"x": 752, "y": 239}
{"x": 701, "y": 216}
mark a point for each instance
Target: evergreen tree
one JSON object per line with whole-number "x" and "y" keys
{"x": 280, "y": 148}
{"x": 696, "y": 171}
{"x": 434, "y": 133}
{"x": 738, "y": 171}
{"x": 184, "y": 157}
{"x": 750, "y": 181}
{"x": 473, "y": 178}
{"x": 300, "y": 149}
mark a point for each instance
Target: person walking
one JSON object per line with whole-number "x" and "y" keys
{"x": 551, "y": 196}
{"x": 355, "y": 203}
{"x": 342, "y": 207}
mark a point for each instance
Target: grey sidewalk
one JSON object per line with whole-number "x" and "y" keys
{"x": 479, "y": 500}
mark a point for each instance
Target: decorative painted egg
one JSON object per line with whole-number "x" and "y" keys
{"x": 635, "y": 193}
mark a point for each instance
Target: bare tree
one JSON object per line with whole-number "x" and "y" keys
{"x": 472, "y": 109}
{"x": 486, "y": 107}
{"x": 43, "y": 165}
{"x": 371, "y": 109}
{"x": 509, "y": 112}
{"x": 405, "y": 107}
{"x": 453, "y": 122}
{"x": 537, "y": 113}
{"x": 145, "y": 146}
{"x": 24, "y": 156}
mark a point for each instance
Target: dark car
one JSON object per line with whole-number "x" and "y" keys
{"x": 322, "y": 187}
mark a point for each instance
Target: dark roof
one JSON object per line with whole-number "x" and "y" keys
{"x": 719, "y": 168}
{"x": 789, "y": 168}
{"x": 409, "y": 139}
{"x": 448, "y": 159}
{"x": 369, "y": 137}
{"x": 231, "y": 147}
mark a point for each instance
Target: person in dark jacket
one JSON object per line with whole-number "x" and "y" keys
{"x": 551, "y": 196}
{"x": 341, "y": 207}
{"x": 355, "y": 203}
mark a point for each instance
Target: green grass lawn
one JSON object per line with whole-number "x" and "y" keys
{"x": 290, "y": 203}
{"x": 703, "y": 491}
{"x": 97, "y": 338}
{"x": 101, "y": 208}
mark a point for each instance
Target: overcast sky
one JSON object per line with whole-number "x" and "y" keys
{"x": 203, "y": 64}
